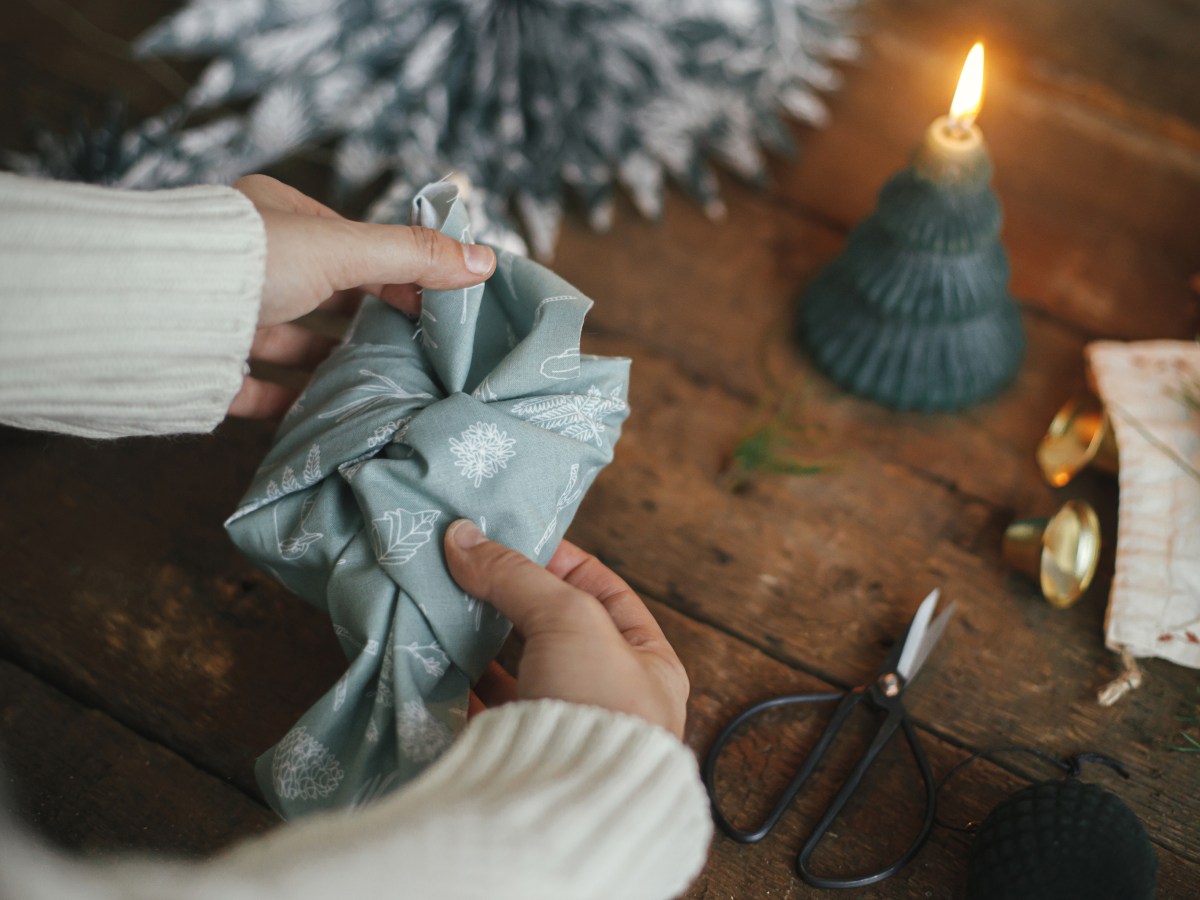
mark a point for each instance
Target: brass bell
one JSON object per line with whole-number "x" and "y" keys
{"x": 1081, "y": 435}
{"x": 1059, "y": 553}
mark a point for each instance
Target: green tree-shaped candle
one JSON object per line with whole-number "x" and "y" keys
{"x": 916, "y": 313}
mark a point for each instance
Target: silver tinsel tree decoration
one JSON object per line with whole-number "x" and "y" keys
{"x": 524, "y": 97}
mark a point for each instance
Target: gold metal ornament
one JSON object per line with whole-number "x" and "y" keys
{"x": 1059, "y": 553}
{"x": 1081, "y": 435}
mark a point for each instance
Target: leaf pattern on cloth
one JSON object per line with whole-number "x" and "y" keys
{"x": 288, "y": 481}
{"x": 570, "y": 495}
{"x": 374, "y": 787}
{"x": 384, "y": 696}
{"x": 303, "y": 768}
{"x": 481, "y": 451}
{"x": 312, "y": 465}
{"x": 301, "y": 539}
{"x": 383, "y": 393}
{"x": 422, "y": 333}
{"x": 578, "y": 416}
{"x": 358, "y": 532}
{"x": 432, "y": 658}
{"x": 562, "y": 366}
{"x": 392, "y": 431}
{"x": 399, "y": 534}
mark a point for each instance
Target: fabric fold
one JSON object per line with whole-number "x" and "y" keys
{"x": 483, "y": 408}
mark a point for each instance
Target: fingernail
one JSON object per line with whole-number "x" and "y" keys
{"x": 479, "y": 258}
{"x": 466, "y": 534}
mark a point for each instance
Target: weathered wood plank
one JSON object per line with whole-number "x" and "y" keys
{"x": 819, "y": 570}
{"x": 727, "y": 676}
{"x": 124, "y": 589}
{"x": 1145, "y": 54}
{"x": 88, "y": 783}
{"x": 727, "y": 320}
{"x": 61, "y": 56}
{"x": 795, "y": 565}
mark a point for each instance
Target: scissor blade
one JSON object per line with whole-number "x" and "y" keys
{"x": 932, "y": 635}
{"x": 916, "y": 633}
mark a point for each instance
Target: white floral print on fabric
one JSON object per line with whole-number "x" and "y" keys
{"x": 384, "y": 392}
{"x": 578, "y": 416}
{"x": 482, "y": 451}
{"x": 484, "y": 391}
{"x": 392, "y": 431}
{"x": 570, "y": 495}
{"x": 422, "y": 737}
{"x": 301, "y": 539}
{"x": 303, "y": 768}
{"x": 399, "y": 534}
{"x": 422, "y": 333}
{"x": 288, "y": 482}
{"x": 433, "y": 659}
{"x": 384, "y": 695}
{"x": 312, "y": 465}
{"x": 378, "y": 571}
{"x": 562, "y": 366}
{"x": 374, "y": 787}
{"x": 537, "y": 313}
{"x": 345, "y": 634}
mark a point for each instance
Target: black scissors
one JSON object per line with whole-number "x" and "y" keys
{"x": 884, "y": 694}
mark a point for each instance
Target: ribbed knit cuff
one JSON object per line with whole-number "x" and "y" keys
{"x": 596, "y": 804}
{"x": 537, "y": 800}
{"x": 125, "y": 312}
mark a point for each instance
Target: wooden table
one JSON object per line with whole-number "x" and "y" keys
{"x": 143, "y": 664}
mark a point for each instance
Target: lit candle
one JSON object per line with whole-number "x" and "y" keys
{"x": 915, "y": 313}
{"x": 953, "y": 147}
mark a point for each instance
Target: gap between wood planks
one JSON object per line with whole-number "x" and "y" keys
{"x": 680, "y": 361}
{"x": 86, "y": 701}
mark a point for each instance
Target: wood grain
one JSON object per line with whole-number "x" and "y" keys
{"x": 90, "y": 784}
{"x": 127, "y": 594}
{"x": 881, "y": 819}
{"x": 148, "y": 665}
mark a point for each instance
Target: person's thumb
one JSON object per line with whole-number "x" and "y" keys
{"x": 533, "y": 599}
{"x": 359, "y": 253}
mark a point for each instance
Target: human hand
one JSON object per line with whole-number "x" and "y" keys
{"x": 588, "y": 638}
{"x": 317, "y": 259}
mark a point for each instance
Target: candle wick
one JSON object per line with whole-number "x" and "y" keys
{"x": 957, "y": 128}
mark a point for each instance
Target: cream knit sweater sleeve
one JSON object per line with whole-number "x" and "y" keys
{"x": 124, "y": 312}
{"x": 538, "y": 800}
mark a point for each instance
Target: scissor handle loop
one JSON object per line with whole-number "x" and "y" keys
{"x": 895, "y": 718}
{"x": 849, "y": 701}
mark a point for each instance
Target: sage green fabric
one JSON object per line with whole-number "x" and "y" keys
{"x": 483, "y": 408}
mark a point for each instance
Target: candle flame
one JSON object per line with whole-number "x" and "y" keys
{"x": 969, "y": 95}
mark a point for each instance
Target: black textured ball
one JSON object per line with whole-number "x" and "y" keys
{"x": 1061, "y": 840}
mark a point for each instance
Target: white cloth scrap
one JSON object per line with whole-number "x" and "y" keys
{"x": 1154, "y": 609}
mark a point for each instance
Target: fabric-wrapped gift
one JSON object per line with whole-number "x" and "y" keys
{"x": 484, "y": 408}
